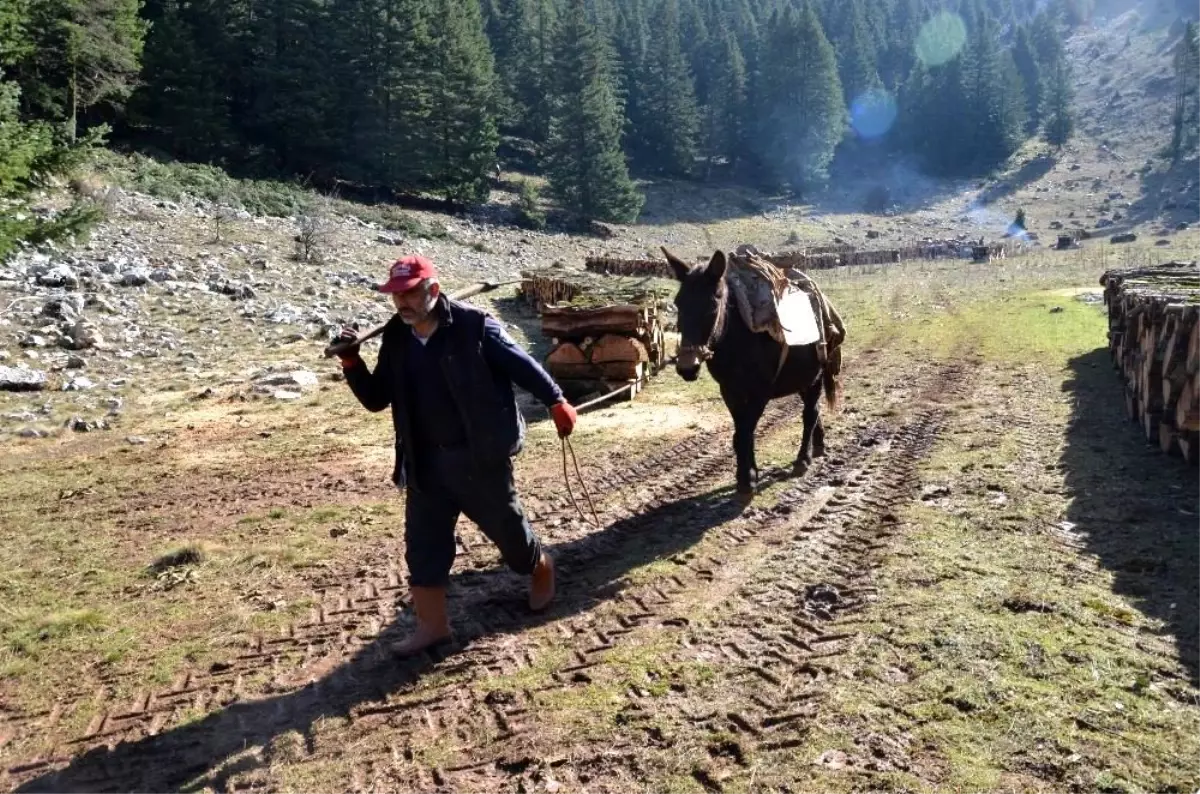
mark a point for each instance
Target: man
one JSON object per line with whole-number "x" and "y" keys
{"x": 447, "y": 370}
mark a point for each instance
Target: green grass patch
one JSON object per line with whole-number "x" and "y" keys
{"x": 998, "y": 669}
{"x": 26, "y": 635}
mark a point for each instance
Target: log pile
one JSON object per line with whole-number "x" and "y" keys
{"x": 628, "y": 267}
{"x": 552, "y": 286}
{"x": 1154, "y": 336}
{"x": 608, "y": 332}
{"x": 824, "y": 257}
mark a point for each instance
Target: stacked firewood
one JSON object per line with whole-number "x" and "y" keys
{"x": 825, "y": 257}
{"x": 1155, "y": 341}
{"x": 628, "y": 267}
{"x": 607, "y": 332}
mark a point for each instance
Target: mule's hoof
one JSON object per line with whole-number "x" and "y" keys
{"x": 818, "y": 452}
{"x": 800, "y": 468}
{"x": 743, "y": 496}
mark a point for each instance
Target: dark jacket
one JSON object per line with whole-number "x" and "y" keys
{"x": 480, "y": 364}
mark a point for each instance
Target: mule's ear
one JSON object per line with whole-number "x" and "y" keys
{"x": 678, "y": 265}
{"x": 716, "y": 266}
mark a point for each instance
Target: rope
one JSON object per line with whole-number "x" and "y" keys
{"x": 566, "y": 445}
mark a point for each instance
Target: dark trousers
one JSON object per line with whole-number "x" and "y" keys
{"x": 450, "y": 485}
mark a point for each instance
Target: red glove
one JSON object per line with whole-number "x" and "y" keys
{"x": 564, "y": 416}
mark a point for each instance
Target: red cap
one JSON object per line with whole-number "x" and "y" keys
{"x": 407, "y": 272}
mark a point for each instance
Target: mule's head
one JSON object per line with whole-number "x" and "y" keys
{"x": 701, "y": 304}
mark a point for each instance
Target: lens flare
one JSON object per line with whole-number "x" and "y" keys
{"x": 872, "y": 113}
{"x": 941, "y": 38}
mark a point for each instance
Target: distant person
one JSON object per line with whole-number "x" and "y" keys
{"x": 447, "y": 370}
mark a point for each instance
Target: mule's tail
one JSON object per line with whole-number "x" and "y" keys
{"x": 832, "y": 376}
{"x": 832, "y": 371}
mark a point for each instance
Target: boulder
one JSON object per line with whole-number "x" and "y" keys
{"x": 59, "y": 276}
{"x": 83, "y": 335}
{"x": 135, "y": 277}
{"x": 300, "y": 379}
{"x": 21, "y": 379}
{"x": 65, "y": 308}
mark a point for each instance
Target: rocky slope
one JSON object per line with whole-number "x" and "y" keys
{"x": 186, "y": 300}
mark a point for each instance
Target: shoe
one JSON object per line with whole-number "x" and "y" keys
{"x": 433, "y": 628}
{"x": 541, "y": 585}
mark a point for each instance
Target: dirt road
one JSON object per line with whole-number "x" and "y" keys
{"x": 910, "y": 600}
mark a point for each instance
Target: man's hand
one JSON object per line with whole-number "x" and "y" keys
{"x": 349, "y": 356}
{"x": 564, "y": 417}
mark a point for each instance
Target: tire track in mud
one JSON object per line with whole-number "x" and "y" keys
{"x": 778, "y": 646}
{"x": 496, "y": 734}
{"x": 350, "y": 617}
{"x": 350, "y": 621}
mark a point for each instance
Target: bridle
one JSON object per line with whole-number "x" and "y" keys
{"x": 704, "y": 352}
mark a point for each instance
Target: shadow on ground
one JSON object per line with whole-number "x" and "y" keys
{"x": 1170, "y": 196}
{"x": 200, "y": 755}
{"x": 1022, "y": 178}
{"x": 1136, "y": 508}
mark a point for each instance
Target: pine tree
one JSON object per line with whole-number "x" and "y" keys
{"x": 801, "y": 114}
{"x": 30, "y": 152}
{"x": 184, "y": 98}
{"x": 1185, "y": 121}
{"x": 587, "y": 170}
{"x": 382, "y": 58}
{"x": 20, "y": 147}
{"x": 1058, "y": 113}
{"x": 726, "y": 109}
{"x": 1031, "y": 79}
{"x": 525, "y": 35}
{"x": 856, "y": 58}
{"x": 462, "y": 134}
{"x": 1047, "y": 41}
{"x": 291, "y": 86}
{"x": 631, "y": 44}
{"x": 933, "y": 107}
{"x": 15, "y": 41}
{"x": 993, "y": 116}
{"x": 667, "y": 130}
{"x": 84, "y": 53}
{"x": 896, "y": 55}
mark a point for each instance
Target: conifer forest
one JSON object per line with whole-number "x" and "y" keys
{"x": 428, "y": 96}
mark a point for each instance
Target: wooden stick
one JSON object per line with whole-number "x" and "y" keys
{"x": 610, "y": 395}
{"x": 466, "y": 292}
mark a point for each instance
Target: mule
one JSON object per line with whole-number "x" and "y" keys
{"x": 746, "y": 365}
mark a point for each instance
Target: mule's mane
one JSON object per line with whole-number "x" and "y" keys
{"x": 721, "y": 299}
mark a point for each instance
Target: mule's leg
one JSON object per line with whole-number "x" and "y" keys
{"x": 818, "y": 439}
{"x": 745, "y": 421}
{"x": 812, "y": 420}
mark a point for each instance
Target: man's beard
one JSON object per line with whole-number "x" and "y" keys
{"x": 416, "y": 317}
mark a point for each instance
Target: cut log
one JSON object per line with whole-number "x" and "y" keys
{"x": 1151, "y": 378}
{"x": 565, "y": 354}
{"x": 1189, "y": 446}
{"x": 1193, "y": 354}
{"x": 611, "y": 347}
{"x": 1154, "y": 340}
{"x": 573, "y": 323}
{"x": 1187, "y": 409}
{"x": 621, "y": 370}
{"x": 1168, "y": 439}
{"x": 1150, "y": 424}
